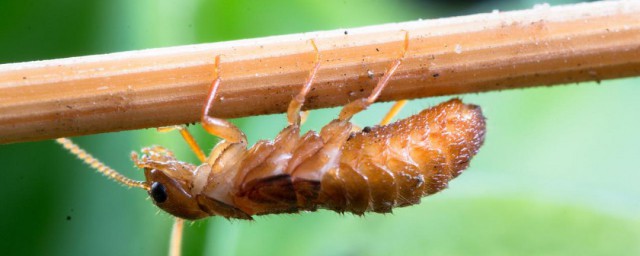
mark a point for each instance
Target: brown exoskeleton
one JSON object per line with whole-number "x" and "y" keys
{"x": 374, "y": 169}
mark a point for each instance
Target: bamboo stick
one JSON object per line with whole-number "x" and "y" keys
{"x": 167, "y": 86}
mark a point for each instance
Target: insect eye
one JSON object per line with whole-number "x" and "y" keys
{"x": 158, "y": 192}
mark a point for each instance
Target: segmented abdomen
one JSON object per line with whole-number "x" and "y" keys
{"x": 372, "y": 170}
{"x": 395, "y": 165}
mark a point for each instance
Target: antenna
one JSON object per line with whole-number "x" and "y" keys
{"x": 99, "y": 166}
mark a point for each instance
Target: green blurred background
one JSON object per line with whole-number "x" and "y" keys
{"x": 556, "y": 176}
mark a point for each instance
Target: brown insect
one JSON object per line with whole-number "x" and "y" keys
{"x": 340, "y": 169}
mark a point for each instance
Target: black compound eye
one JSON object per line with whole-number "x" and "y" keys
{"x": 158, "y": 192}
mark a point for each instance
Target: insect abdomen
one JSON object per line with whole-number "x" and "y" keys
{"x": 397, "y": 164}
{"x": 373, "y": 170}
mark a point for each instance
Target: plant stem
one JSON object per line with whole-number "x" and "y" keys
{"x": 168, "y": 86}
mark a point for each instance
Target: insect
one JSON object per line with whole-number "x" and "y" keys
{"x": 340, "y": 168}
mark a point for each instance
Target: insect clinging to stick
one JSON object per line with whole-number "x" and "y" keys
{"x": 371, "y": 170}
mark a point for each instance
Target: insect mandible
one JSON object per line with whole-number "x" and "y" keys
{"x": 340, "y": 168}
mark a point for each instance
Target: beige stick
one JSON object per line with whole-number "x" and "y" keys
{"x": 168, "y": 86}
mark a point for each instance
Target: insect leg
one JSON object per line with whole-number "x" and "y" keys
{"x": 175, "y": 244}
{"x": 186, "y": 135}
{"x": 293, "y": 113}
{"x": 217, "y": 126}
{"x": 303, "y": 116}
{"x": 356, "y": 106}
{"x": 393, "y": 111}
